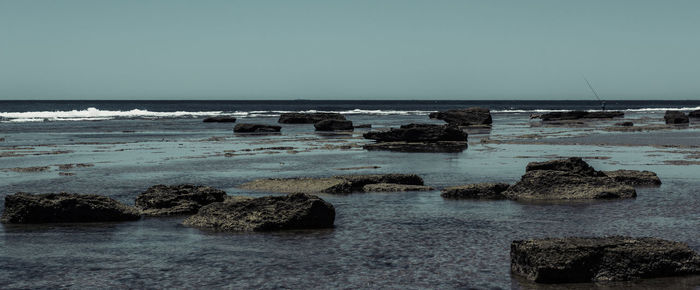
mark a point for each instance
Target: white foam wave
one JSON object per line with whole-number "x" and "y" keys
{"x": 94, "y": 114}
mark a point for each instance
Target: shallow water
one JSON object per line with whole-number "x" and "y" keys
{"x": 381, "y": 240}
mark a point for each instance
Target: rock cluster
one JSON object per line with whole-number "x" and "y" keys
{"x": 256, "y": 128}
{"x": 577, "y": 115}
{"x": 25, "y": 208}
{"x": 308, "y": 118}
{"x": 465, "y": 117}
{"x": 270, "y": 213}
{"x": 419, "y": 138}
{"x": 575, "y": 259}
{"x": 341, "y": 184}
{"x": 219, "y": 119}
{"x": 163, "y": 200}
{"x": 676, "y": 117}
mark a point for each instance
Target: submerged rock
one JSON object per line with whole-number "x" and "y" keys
{"x": 24, "y": 208}
{"x": 553, "y": 185}
{"x": 572, "y": 164}
{"x": 571, "y": 260}
{"x": 363, "y": 126}
{"x": 256, "y": 128}
{"x": 220, "y": 119}
{"x": 634, "y": 177}
{"x": 432, "y": 147}
{"x": 576, "y": 115}
{"x": 308, "y": 118}
{"x": 358, "y": 181}
{"x": 694, "y": 114}
{"x": 334, "y": 125}
{"x": 476, "y": 191}
{"x": 676, "y": 117}
{"x": 337, "y": 184}
{"x": 163, "y": 200}
{"x": 394, "y": 187}
{"x": 419, "y": 138}
{"x": 270, "y": 213}
{"x": 625, "y": 124}
{"x": 465, "y": 117}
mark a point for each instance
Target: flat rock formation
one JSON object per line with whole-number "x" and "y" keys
{"x": 572, "y": 260}
{"x": 634, "y": 177}
{"x": 219, "y": 119}
{"x": 334, "y": 125}
{"x": 163, "y": 200}
{"x": 419, "y": 138}
{"x": 308, "y": 118}
{"x": 25, "y": 208}
{"x": 270, "y": 213}
{"x": 578, "y": 115}
{"x": 562, "y": 185}
{"x": 256, "y": 128}
{"x": 394, "y": 187}
{"x": 676, "y": 117}
{"x": 694, "y": 114}
{"x": 465, "y": 117}
{"x": 337, "y": 184}
{"x": 476, "y": 191}
{"x": 363, "y": 126}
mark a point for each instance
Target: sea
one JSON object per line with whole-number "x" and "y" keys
{"x": 408, "y": 240}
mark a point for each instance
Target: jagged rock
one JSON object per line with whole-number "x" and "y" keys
{"x": 574, "y": 259}
{"x": 694, "y": 114}
{"x": 465, "y": 117}
{"x": 625, "y": 124}
{"x": 575, "y": 115}
{"x": 308, "y": 118}
{"x": 337, "y": 184}
{"x": 163, "y": 200}
{"x": 476, "y": 191}
{"x": 334, "y": 125}
{"x": 25, "y": 208}
{"x": 419, "y": 133}
{"x": 394, "y": 187}
{"x": 573, "y": 164}
{"x": 676, "y": 117}
{"x": 270, "y": 213}
{"x": 634, "y": 177}
{"x": 558, "y": 185}
{"x": 220, "y": 119}
{"x": 256, "y": 128}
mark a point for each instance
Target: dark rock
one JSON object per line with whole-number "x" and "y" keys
{"x": 694, "y": 114}
{"x": 464, "y": 117}
{"x": 334, "y": 125}
{"x": 634, "y": 177}
{"x": 573, "y": 164}
{"x": 24, "y": 208}
{"x": 433, "y": 147}
{"x": 256, "y": 128}
{"x": 476, "y": 191}
{"x": 270, "y": 213}
{"x": 220, "y": 119}
{"x": 337, "y": 184}
{"x": 572, "y": 260}
{"x": 163, "y": 200}
{"x": 394, "y": 187}
{"x": 558, "y": 185}
{"x": 624, "y": 124}
{"x": 676, "y": 117}
{"x": 364, "y": 126}
{"x": 419, "y": 133}
{"x": 308, "y": 118}
{"x": 575, "y": 115}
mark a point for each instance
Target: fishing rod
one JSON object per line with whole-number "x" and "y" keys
{"x": 602, "y": 103}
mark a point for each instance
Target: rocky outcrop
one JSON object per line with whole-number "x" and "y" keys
{"x": 476, "y": 191}
{"x": 256, "y": 128}
{"x": 577, "y": 115}
{"x": 25, "y": 208}
{"x": 465, "y": 117}
{"x": 270, "y": 213}
{"x": 634, "y": 177}
{"x": 219, "y": 119}
{"x": 308, "y": 118}
{"x": 573, "y": 165}
{"x": 572, "y": 260}
{"x": 337, "y": 184}
{"x": 563, "y": 185}
{"x": 694, "y": 114}
{"x": 676, "y": 117}
{"x": 334, "y": 125}
{"x": 419, "y": 138}
{"x": 394, "y": 187}
{"x": 163, "y": 200}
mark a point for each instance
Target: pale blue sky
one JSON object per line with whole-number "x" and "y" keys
{"x": 402, "y": 49}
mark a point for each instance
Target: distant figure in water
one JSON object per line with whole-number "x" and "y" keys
{"x": 602, "y": 105}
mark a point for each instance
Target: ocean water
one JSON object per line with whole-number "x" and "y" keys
{"x": 380, "y": 240}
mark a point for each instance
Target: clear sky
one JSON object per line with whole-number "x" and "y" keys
{"x": 353, "y": 49}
